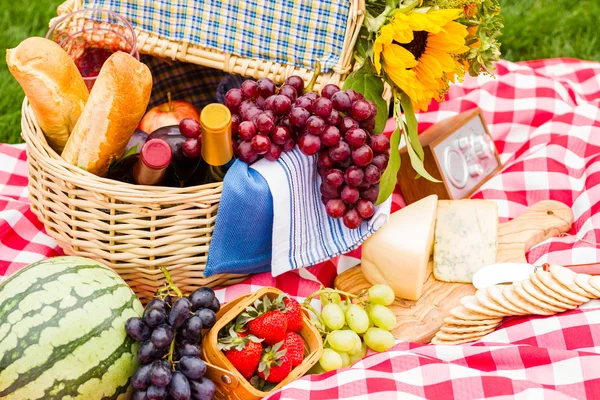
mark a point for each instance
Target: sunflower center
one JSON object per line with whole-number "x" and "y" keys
{"x": 418, "y": 45}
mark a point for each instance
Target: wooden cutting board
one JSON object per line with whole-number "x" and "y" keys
{"x": 418, "y": 321}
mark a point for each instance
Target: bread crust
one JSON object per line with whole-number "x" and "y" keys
{"x": 116, "y": 105}
{"x": 53, "y": 85}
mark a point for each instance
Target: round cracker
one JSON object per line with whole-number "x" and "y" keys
{"x": 440, "y": 342}
{"x": 460, "y": 312}
{"x": 518, "y": 288}
{"x": 495, "y": 292}
{"x": 595, "y": 282}
{"x": 583, "y": 281}
{"x": 463, "y": 322}
{"x": 509, "y": 293}
{"x": 466, "y": 329}
{"x": 459, "y": 336}
{"x": 566, "y": 278}
{"x": 554, "y": 285}
{"x": 536, "y": 292}
{"x": 485, "y": 300}
{"x": 471, "y": 303}
{"x": 535, "y": 279}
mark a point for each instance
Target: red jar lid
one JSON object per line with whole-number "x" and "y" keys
{"x": 156, "y": 154}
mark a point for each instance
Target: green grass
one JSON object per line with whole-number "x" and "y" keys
{"x": 19, "y": 20}
{"x": 533, "y": 29}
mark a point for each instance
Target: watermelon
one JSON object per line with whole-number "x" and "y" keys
{"x": 62, "y": 332}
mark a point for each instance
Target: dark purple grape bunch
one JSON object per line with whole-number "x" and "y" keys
{"x": 262, "y": 118}
{"x": 191, "y": 129}
{"x": 171, "y": 334}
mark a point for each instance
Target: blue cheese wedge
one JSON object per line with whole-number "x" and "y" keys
{"x": 466, "y": 239}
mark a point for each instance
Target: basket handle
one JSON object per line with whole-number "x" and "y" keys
{"x": 222, "y": 376}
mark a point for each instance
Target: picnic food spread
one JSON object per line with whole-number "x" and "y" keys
{"x": 186, "y": 345}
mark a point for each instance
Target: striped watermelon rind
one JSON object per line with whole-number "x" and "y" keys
{"x": 62, "y": 333}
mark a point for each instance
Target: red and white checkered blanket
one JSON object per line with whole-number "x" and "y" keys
{"x": 545, "y": 119}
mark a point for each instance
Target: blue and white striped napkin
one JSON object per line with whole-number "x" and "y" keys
{"x": 271, "y": 219}
{"x": 303, "y": 234}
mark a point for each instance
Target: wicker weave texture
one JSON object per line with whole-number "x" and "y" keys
{"x": 159, "y": 47}
{"x": 133, "y": 229}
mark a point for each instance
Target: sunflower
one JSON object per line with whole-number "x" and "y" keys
{"x": 419, "y": 52}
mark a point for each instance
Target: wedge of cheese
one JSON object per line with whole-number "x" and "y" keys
{"x": 397, "y": 254}
{"x": 466, "y": 239}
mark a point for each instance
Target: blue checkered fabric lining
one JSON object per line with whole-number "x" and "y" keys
{"x": 190, "y": 82}
{"x": 293, "y": 32}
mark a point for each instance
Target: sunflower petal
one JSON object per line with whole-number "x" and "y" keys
{"x": 398, "y": 56}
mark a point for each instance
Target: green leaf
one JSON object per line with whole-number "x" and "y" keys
{"x": 411, "y": 125}
{"x": 133, "y": 150}
{"x": 417, "y": 163}
{"x": 389, "y": 177}
{"x": 363, "y": 47}
{"x": 365, "y": 81}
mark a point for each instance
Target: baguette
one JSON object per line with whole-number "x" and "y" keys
{"x": 116, "y": 105}
{"x": 53, "y": 85}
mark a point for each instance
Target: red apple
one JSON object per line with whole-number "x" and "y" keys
{"x": 168, "y": 114}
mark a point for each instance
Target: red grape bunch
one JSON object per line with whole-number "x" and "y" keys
{"x": 261, "y": 118}
{"x": 337, "y": 126}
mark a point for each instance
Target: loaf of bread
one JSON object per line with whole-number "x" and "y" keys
{"x": 53, "y": 85}
{"x": 116, "y": 105}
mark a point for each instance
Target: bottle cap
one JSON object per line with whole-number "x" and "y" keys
{"x": 215, "y": 120}
{"x": 156, "y": 154}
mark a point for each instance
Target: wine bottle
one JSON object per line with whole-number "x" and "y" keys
{"x": 183, "y": 171}
{"x": 217, "y": 151}
{"x": 152, "y": 164}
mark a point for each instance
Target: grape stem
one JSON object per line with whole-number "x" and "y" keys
{"x": 172, "y": 349}
{"x": 171, "y": 285}
{"x": 316, "y": 73}
{"x": 312, "y": 309}
{"x": 327, "y": 290}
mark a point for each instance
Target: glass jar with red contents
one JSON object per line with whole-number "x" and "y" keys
{"x": 90, "y": 36}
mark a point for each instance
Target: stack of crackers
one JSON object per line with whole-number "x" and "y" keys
{"x": 545, "y": 292}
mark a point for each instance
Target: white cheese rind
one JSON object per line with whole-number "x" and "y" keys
{"x": 397, "y": 254}
{"x": 466, "y": 239}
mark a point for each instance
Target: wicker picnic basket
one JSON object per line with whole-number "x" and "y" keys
{"x": 233, "y": 385}
{"x": 137, "y": 229}
{"x": 157, "y": 46}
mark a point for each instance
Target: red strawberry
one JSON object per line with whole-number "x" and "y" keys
{"x": 275, "y": 365}
{"x": 293, "y": 313}
{"x": 265, "y": 320}
{"x": 242, "y": 350}
{"x": 270, "y": 326}
{"x": 295, "y": 348}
